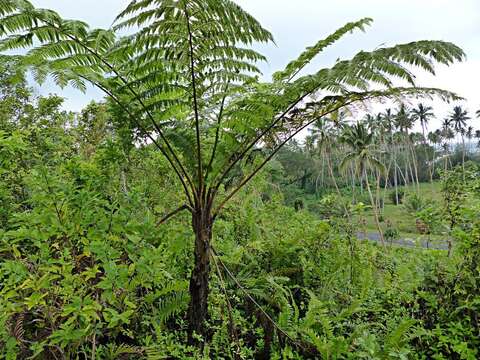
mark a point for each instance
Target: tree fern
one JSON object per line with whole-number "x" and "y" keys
{"x": 190, "y": 65}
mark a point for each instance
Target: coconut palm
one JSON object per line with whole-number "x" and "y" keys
{"x": 477, "y": 136}
{"x": 362, "y": 155}
{"x": 423, "y": 114}
{"x": 458, "y": 119}
{"x": 435, "y": 137}
{"x": 469, "y": 133}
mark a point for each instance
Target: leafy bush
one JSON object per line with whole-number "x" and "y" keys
{"x": 431, "y": 216}
{"x": 414, "y": 203}
{"x": 391, "y": 234}
{"x": 78, "y": 266}
{"x": 330, "y": 206}
{"x": 394, "y": 195}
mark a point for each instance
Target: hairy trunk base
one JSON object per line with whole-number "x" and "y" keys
{"x": 199, "y": 280}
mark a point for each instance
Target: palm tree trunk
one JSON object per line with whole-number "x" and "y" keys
{"x": 450, "y": 153}
{"x": 434, "y": 159}
{"x": 377, "y": 193}
{"x": 407, "y": 166}
{"x": 426, "y": 152}
{"x": 387, "y": 179}
{"x": 415, "y": 168}
{"x": 403, "y": 176}
{"x": 323, "y": 171}
{"x": 463, "y": 157}
{"x": 354, "y": 182}
{"x": 415, "y": 164}
{"x": 395, "y": 174}
{"x": 375, "y": 210}
{"x": 395, "y": 181}
{"x": 446, "y": 159}
{"x": 330, "y": 170}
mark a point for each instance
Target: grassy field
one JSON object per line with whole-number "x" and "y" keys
{"x": 398, "y": 216}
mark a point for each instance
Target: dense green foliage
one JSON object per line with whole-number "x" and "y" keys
{"x": 95, "y": 265}
{"x": 87, "y": 273}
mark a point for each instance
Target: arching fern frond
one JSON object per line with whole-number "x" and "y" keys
{"x": 295, "y": 66}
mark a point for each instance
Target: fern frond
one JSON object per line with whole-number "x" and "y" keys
{"x": 396, "y": 338}
{"x": 294, "y": 67}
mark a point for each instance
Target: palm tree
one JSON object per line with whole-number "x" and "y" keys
{"x": 404, "y": 122}
{"x": 362, "y": 155}
{"x": 423, "y": 114}
{"x": 469, "y": 133}
{"x": 447, "y": 134}
{"x": 459, "y": 118}
{"x": 477, "y": 136}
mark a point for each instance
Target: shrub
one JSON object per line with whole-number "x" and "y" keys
{"x": 391, "y": 233}
{"x": 415, "y": 203}
{"x": 393, "y": 196}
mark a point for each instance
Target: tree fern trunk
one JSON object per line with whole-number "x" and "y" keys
{"x": 199, "y": 282}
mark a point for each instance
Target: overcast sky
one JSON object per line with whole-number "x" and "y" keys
{"x": 296, "y": 24}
